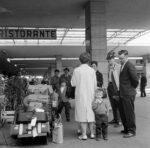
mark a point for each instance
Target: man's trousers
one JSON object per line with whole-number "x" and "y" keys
{"x": 126, "y": 108}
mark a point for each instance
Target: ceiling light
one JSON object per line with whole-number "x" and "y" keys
{"x": 140, "y": 66}
{"x": 133, "y": 58}
{"x": 70, "y": 58}
{"x": 38, "y": 59}
{"x": 136, "y": 58}
{"x": 31, "y": 59}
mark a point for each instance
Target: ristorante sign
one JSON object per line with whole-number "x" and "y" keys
{"x": 28, "y": 34}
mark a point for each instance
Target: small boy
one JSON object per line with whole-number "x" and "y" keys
{"x": 101, "y": 109}
{"x": 64, "y": 100}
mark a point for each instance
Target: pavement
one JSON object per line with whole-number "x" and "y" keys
{"x": 115, "y": 138}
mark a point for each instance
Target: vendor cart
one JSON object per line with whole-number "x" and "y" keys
{"x": 32, "y": 119}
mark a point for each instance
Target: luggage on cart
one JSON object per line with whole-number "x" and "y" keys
{"x": 25, "y": 117}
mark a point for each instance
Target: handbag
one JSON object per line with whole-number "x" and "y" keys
{"x": 72, "y": 103}
{"x": 57, "y": 133}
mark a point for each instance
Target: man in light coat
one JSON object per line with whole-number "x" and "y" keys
{"x": 84, "y": 79}
{"x": 113, "y": 87}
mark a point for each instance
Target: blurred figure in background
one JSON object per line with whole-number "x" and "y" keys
{"x": 55, "y": 80}
{"x": 143, "y": 83}
{"x": 67, "y": 78}
{"x": 99, "y": 75}
{"x": 63, "y": 100}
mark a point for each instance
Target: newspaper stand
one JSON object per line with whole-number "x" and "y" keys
{"x": 33, "y": 118}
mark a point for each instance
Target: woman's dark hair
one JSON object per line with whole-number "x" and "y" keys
{"x": 110, "y": 55}
{"x": 85, "y": 57}
{"x": 94, "y": 62}
{"x": 125, "y": 52}
{"x": 66, "y": 69}
{"x": 56, "y": 70}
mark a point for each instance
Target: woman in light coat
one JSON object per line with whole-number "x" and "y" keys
{"x": 84, "y": 80}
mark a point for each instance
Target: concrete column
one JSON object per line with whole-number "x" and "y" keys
{"x": 96, "y": 41}
{"x": 59, "y": 62}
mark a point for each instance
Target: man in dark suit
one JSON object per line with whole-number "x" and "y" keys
{"x": 67, "y": 78}
{"x": 55, "y": 80}
{"x": 128, "y": 83}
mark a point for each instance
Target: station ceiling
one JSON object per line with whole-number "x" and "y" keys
{"x": 120, "y": 14}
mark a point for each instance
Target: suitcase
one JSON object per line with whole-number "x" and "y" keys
{"x": 25, "y": 117}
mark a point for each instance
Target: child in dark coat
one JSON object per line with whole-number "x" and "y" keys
{"x": 101, "y": 109}
{"x": 63, "y": 100}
